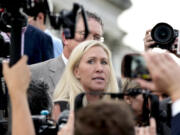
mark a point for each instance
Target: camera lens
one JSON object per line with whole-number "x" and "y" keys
{"x": 162, "y": 33}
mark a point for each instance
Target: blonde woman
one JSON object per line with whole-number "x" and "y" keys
{"x": 89, "y": 69}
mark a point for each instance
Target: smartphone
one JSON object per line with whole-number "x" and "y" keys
{"x": 134, "y": 66}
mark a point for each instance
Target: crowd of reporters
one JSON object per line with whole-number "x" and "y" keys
{"x": 145, "y": 107}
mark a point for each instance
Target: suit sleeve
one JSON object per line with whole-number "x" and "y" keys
{"x": 175, "y": 122}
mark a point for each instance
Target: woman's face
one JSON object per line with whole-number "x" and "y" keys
{"x": 93, "y": 71}
{"x": 136, "y": 103}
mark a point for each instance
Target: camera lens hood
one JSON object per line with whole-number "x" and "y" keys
{"x": 162, "y": 33}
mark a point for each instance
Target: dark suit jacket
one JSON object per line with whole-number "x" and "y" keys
{"x": 37, "y": 45}
{"x": 49, "y": 71}
{"x": 175, "y": 125}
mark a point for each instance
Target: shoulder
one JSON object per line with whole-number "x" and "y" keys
{"x": 42, "y": 65}
{"x": 41, "y": 70}
{"x": 37, "y": 32}
{"x": 49, "y": 64}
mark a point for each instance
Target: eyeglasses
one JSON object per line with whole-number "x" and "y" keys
{"x": 95, "y": 36}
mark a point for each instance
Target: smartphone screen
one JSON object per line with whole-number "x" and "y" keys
{"x": 138, "y": 66}
{"x": 134, "y": 66}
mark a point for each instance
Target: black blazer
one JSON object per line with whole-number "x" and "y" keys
{"x": 175, "y": 125}
{"x": 37, "y": 45}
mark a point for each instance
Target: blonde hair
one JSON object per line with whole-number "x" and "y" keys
{"x": 69, "y": 86}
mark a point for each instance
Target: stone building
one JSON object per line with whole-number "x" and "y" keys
{"x": 109, "y": 10}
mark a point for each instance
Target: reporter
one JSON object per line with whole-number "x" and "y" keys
{"x": 148, "y": 42}
{"x": 38, "y": 97}
{"x": 111, "y": 118}
{"x": 134, "y": 98}
{"x": 104, "y": 118}
{"x": 165, "y": 73}
{"x": 17, "y": 79}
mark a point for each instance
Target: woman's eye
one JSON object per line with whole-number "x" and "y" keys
{"x": 104, "y": 62}
{"x": 90, "y": 61}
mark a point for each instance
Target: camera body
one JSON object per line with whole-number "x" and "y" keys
{"x": 47, "y": 126}
{"x": 44, "y": 126}
{"x": 14, "y": 4}
{"x": 153, "y": 107}
{"x": 4, "y": 47}
{"x": 4, "y": 54}
{"x": 17, "y": 9}
{"x": 164, "y": 35}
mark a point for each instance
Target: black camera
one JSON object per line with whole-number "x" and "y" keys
{"x": 4, "y": 47}
{"x": 134, "y": 66}
{"x": 164, "y": 35}
{"x": 63, "y": 118}
{"x": 47, "y": 126}
{"x": 44, "y": 125}
{"x": 4, "y": 54}
{"x": 18, "y": 9}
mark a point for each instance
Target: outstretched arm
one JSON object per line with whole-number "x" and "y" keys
{"x": 17, "y": 79}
